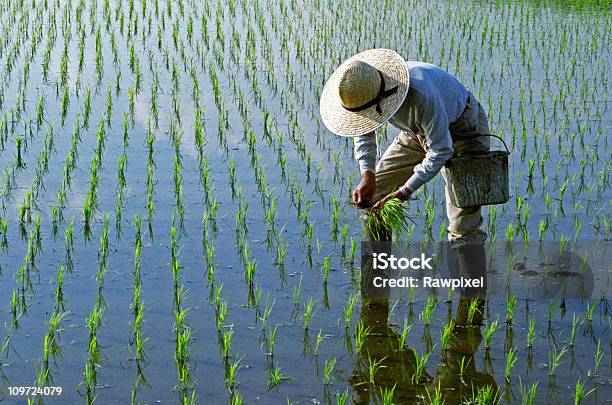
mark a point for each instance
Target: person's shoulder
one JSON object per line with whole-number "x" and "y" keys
{"x": 418, "y": 67}
{"x": 420, "y": 89}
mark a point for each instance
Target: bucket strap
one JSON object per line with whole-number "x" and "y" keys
{"x": 474, "y": 135}
{"x": 470, "y": 135}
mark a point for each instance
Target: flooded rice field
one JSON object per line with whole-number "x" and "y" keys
{"x": 176, "y": 225}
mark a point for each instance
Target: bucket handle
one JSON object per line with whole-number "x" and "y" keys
{"x": 476, "y": 135}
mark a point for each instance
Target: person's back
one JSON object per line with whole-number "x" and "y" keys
{"x": 427, "y": 80}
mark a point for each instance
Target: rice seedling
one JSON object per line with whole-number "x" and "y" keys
{"x": 326, "y": 263}
{"x": 419, "y": 366}
{"x": 318, "y": 342}
{"x": 19, "y": 164}
{"x": 226, "y": 342}
{"x": 528, "y": 395}
{"x": 554, "y": 359}
{"x": 588, "y": 313}
{"x": 59, "y": 291}
{"x": 230, "y": 379}
{"x": 392, "y": 217}
{"x": 297, "y": 291}
{"x": 308, "y": 313}
{"x": 436, "y": 398}
{"x": 576, "y": 324}
{"x": 404, "y": 335}
{"x": 580, "y": 393}
{"x": 387, "y": 394}
{"x": 328, "y": 369}
{"x": 531, "y": 331}
{"x": 348, "y": 310}
{"x": 281, "y": 252}
{"x": 598, "y": 358}
{"x": 490, "y": 328}
{"x": 275, "y": 377}
{"x": 473, "y": 310}
{"x": 351, "y": 255}
{"x": 510, "y": 307}
{"x": 446, "y": 334}
{"x": 362, "y": 333}
{"x": 430, "y": 306}
{"x": 3, "y": 231}
{"x": 373, "y": 367}
{"x": 488, "y": 394}
{"x": 272, "y": 340}
{"x": 511, "y": 358}
{"x": 463, "y": 364}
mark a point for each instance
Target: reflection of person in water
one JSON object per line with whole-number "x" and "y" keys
{"x": 397, "y": 364}
{"x": 456, "y": 375}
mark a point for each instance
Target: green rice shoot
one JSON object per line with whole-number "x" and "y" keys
{"x": 390, "y": 219}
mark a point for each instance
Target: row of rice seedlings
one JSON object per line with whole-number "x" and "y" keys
{"x": 208, "y": 242}
{"x": 17, "y": 163}
{"x": 69, "y": 245}
{"x": 91, "y": 199}
{"x": 177, "y": 172}
{"x": 51, "y": 346}
{"x": 250, "y": 265}
{"x": 25, "y": 288}
{"x": 137, "y": 340}
{"x": 268, "y": 201}
{"x": 182, "y": 355}
{"x": 150, "y": 140}
{"x": 122, "y": 163}
{"x": 42, "y": 168}
{"x": 69, "y": 166}
{"x": 94, "y": 321}
{"x": 14, "y": 325}
{"x": 225, "y": 332}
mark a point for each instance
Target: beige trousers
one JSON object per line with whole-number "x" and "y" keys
{"x": 408, "y": 149}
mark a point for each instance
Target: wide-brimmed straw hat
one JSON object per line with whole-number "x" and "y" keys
{"x": 364, "y": 92}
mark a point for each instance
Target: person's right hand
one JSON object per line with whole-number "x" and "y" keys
{"x": 364, "y": 192}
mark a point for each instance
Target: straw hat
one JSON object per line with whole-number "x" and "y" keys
{"x": 364, "y": 92}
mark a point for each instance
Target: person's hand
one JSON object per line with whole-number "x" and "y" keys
{"x": 396, "y": 194}
{"x": 364, "y": 192}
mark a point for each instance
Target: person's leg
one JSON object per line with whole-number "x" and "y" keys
{"x": 465, "y": 223}
{"x": 393, "y": 169}
{"x": 397, "y": 164}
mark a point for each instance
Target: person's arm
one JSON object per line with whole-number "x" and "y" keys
{"x": 434, "y": 123}
{"x": 365, "y": 154}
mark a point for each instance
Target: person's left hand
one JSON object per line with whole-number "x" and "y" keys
{"x": 396, "y": 194}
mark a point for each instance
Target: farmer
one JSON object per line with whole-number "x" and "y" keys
{"x": 434, "y": 114}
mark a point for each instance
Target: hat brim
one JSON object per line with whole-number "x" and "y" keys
{"x": 346, "y": 123}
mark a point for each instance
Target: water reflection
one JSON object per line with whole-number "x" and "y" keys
{"x": 385, "y": 367}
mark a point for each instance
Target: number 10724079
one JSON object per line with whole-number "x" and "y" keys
{"x": 35, "y": 391}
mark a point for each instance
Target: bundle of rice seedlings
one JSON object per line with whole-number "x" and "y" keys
{"x": 391, "y": 218}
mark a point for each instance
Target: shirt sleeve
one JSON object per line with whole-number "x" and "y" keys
{"x": 365, "y": 151}
{"x": 434, "y": 123}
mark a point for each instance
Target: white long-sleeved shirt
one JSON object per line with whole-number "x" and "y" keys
{"x": 435, "y": 99}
